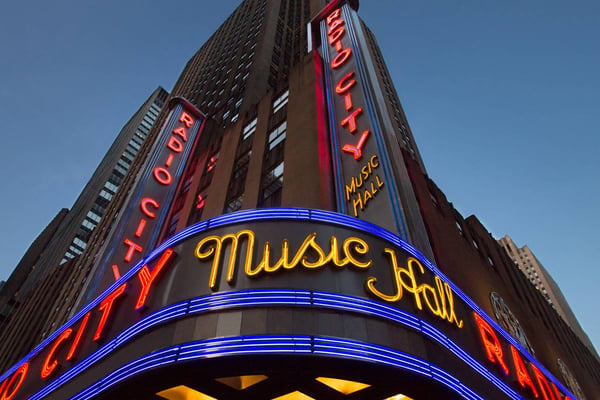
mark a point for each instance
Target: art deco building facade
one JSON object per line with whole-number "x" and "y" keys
{"x": 278, "y": 238}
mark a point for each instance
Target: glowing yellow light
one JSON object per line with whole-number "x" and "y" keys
{"x": 183, "y": 393}
{"x": 399, "y": 397}
{"x": 294, "y": 396}
{"x": 343, "y": 386}
{"x": 439, "y": 299}
{"x": 242, "y": 382}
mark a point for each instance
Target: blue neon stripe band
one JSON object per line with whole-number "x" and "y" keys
{"x": 271, "y": 298}
{"x": 273, "y": 345}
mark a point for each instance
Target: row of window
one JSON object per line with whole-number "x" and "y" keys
{"x": 214, "y": 62}
{"x": 271, "y": 182}
{"x": 111, "y": 186}
{"x": 273, "y": 166}
{"x": 237, "y": 183}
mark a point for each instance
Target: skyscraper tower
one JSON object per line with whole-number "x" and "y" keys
{"x": 278, "y": 238}
{"x": 34, "y": 285}
{"x": 528, "y": 263}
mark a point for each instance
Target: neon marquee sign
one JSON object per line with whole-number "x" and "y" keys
{"x": 313, "y": 249}
{"x": 437, "y": 298}
{"x": 528, "y": 375}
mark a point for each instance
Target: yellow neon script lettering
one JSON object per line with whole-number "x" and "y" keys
{"x": 216, "y": 249}
{"x": 310, "y": 249}
{"x": 439, "y": 300}
{"x": 310, "y": 254}
{"x": 364, "y": 186}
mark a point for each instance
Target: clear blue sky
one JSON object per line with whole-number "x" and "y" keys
{"x": 502, "y": 97}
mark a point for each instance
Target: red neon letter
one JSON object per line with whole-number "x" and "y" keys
{"x": 357, "y": 150}
{"x": 186, "y": 119}
{"x": 350, "y": 120}
{"x": 341, "y": 58}
{"x": 116, "y": 272}
{"x": 144, "y": 205}
{"x": 140, "y": 228}
{"x": 345, "y": 83}
{"x": 522, "y": 373}
{"x": 48, "y": 366}
{"x": 163, "y": 175}
{"x": 490, "y": 342}
{"x": 75, "y": 344}
{"x": 147, "y": 278}
{"x": 21, "y": 373}
{"x": 105, "y": 307}
{"x": 334, "y": 25}
{"x": 543, "y": 383}
{"x": 557, "y": 392}
{"x": 336, "y": 34}
{"x": 133, "y": 247}
{"x": 175, "y": 145}
{"x": 333, "y": 16}
{"x": 181, "y": 132}
{"x": 348, "y": 101}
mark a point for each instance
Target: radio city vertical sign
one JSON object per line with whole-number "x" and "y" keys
{"x": 140, "y": 225}
{"x": 364, "y": 181}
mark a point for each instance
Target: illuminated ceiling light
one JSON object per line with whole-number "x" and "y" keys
{"x": 399, "y": 397}
{"x": 242, "y": 382}
{"x": 294, "y": 396}
{"x": 343, "y": 386}
{"x": 183, "y": 393}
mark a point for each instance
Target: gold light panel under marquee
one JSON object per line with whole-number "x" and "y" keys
{"x": 399, "y": 397}
{"x": 183, "y": 393}
{"x": 242, "y": 382}
{"x": 294, "y": 396}
{"x": 343, "y": 386}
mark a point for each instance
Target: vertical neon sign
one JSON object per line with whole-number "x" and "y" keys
{"x": 363, "y": 177}
{"x": 145, "y": 214}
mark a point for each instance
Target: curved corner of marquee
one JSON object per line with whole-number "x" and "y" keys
{"x": 128, "y": 357}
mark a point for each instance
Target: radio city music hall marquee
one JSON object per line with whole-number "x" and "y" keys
{"x": 245, "y": 254}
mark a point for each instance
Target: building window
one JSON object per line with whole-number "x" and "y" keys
{"x": 104, "y": 194}
{"x": 277, "y": 135}
{"x": 79, "y": 243}
{"x": 234, "y": 204}
{"x": 433, "y": 200}
{"x": 281, "y": 101}
{"x": 93, "y": 216}
{"x": 89, "y": 225}
{"x": 459, "y": 227}
{"x": 111, "y": 187}
{"x": 249, "y": 129}
{"x": 270, "y": 187}
{"x": 237, "y": 183}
